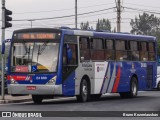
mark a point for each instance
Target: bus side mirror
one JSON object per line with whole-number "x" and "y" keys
{"x": 82, "y": 59}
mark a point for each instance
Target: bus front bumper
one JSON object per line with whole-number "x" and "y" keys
{"x": 14, "y": 89}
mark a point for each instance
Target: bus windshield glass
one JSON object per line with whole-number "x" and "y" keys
{"x": 34, "y": 56}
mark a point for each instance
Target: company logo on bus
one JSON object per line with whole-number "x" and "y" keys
{"x": 99, "y": 69}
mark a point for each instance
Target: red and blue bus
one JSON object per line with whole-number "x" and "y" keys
{"x": 47, "y": 62}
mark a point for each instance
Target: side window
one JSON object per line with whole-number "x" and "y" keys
{"x": 109, "y": 50}
{"x": 70, "y": 58}
{"x": 133, "y": 54}
{"x": 97, "y": 51}
{"x": 97, "y": 44}
{"x": 70, "y": 51}
{"x": 121, "y": 52}
{"x": 143, "y": 51}
{"x": 151, "y": 51}
{"x": 84, "y": 46}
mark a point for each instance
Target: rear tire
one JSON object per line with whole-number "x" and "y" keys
{"x": 133, "y": 89}
{"x": 37, "y": 99}
{"x": 84, "y": 91}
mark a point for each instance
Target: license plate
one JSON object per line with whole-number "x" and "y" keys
{"x": 31, "y": 87}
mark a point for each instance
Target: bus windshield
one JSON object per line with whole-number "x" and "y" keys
{"x": 34, "y": 56}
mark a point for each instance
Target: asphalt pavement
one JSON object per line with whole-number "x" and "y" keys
{"x": 146, "y": 101}
{"x": 14, "y": 99}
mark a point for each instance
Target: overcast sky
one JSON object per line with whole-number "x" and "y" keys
{"x": 35, "y": 9}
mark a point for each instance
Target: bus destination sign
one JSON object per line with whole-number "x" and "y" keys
{"x": 36, "y": 35}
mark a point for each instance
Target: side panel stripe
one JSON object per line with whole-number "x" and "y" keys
{"x": 115, "y": 87}
{"x": 112, "y": 79}
{"x": 104, "y": 79}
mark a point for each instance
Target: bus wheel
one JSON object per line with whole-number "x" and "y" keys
{"x": 84, "y": 91}
{"x": 158, "y": 86}
{"x": 37, "y": 99}
{"x": 133, "y": 88}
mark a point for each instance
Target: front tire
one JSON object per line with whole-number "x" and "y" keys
{"x": 158, "y": 86}
{"x": 84, "y": 91}
{"x": 37, "y": 99}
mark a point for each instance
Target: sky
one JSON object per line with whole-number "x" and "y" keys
{"x": 26, "y": 10}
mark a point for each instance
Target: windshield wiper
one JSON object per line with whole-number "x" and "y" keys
{"x": 27, "y": 50}
{"x": 41, "y": 49}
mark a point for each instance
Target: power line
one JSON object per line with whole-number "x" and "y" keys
{"x": 28, "y": 24}
{"x": 65, "y": 16}
{"x": 152, "y": 12}
{"x": 23, "y": 25}
{"x": 62, "y": 9}
{"x": 133, "y": 11}
{"x": 141, "y": 5}
{"x": 85, "y": 16}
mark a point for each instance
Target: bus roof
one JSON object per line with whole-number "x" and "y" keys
{"x": 107, "y": 35}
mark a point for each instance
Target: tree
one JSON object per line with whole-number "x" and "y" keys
{"x": 103, "y": 24}
{"x": 114, "y": 30}
{"x": 146, "y": 24}
{"x": 85, "y": 26}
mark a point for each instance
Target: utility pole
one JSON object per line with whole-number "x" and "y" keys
{"x": 31, "y": 22}
{"x": 2, "y": 40}
{"x": 76, "y": 14}
{"x": 5, "y": 24}
{"x": 119, "y": 10}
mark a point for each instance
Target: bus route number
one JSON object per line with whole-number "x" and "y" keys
{"x": 41, "y": 78}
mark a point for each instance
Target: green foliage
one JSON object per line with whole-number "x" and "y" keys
{"x": 103, "y": 24}
{"x": 147, "y": 24}
{"x": 85, "y": 26}
{"x": 114, "y": 30}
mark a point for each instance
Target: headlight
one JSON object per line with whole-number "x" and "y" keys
{"x": 52, "y": 81}
{"x": 13, "y": 81}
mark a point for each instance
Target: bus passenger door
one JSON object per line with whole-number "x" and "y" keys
{"x": 69, "y": 66}
{"x": 149, "y": 76}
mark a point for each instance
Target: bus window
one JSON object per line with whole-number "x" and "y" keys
{"x": 121, "y": 53}
{"x": 151, "y": 51}
{"x": 84, "y": 48}
{"x": 71, "y": 54}
{"x": 97, "y": 51}
{"x": 70, "y": 50}
{"x": 133, "y": 53}
{"x": 143, "y": 51}
{"x": 109, "y": 51}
